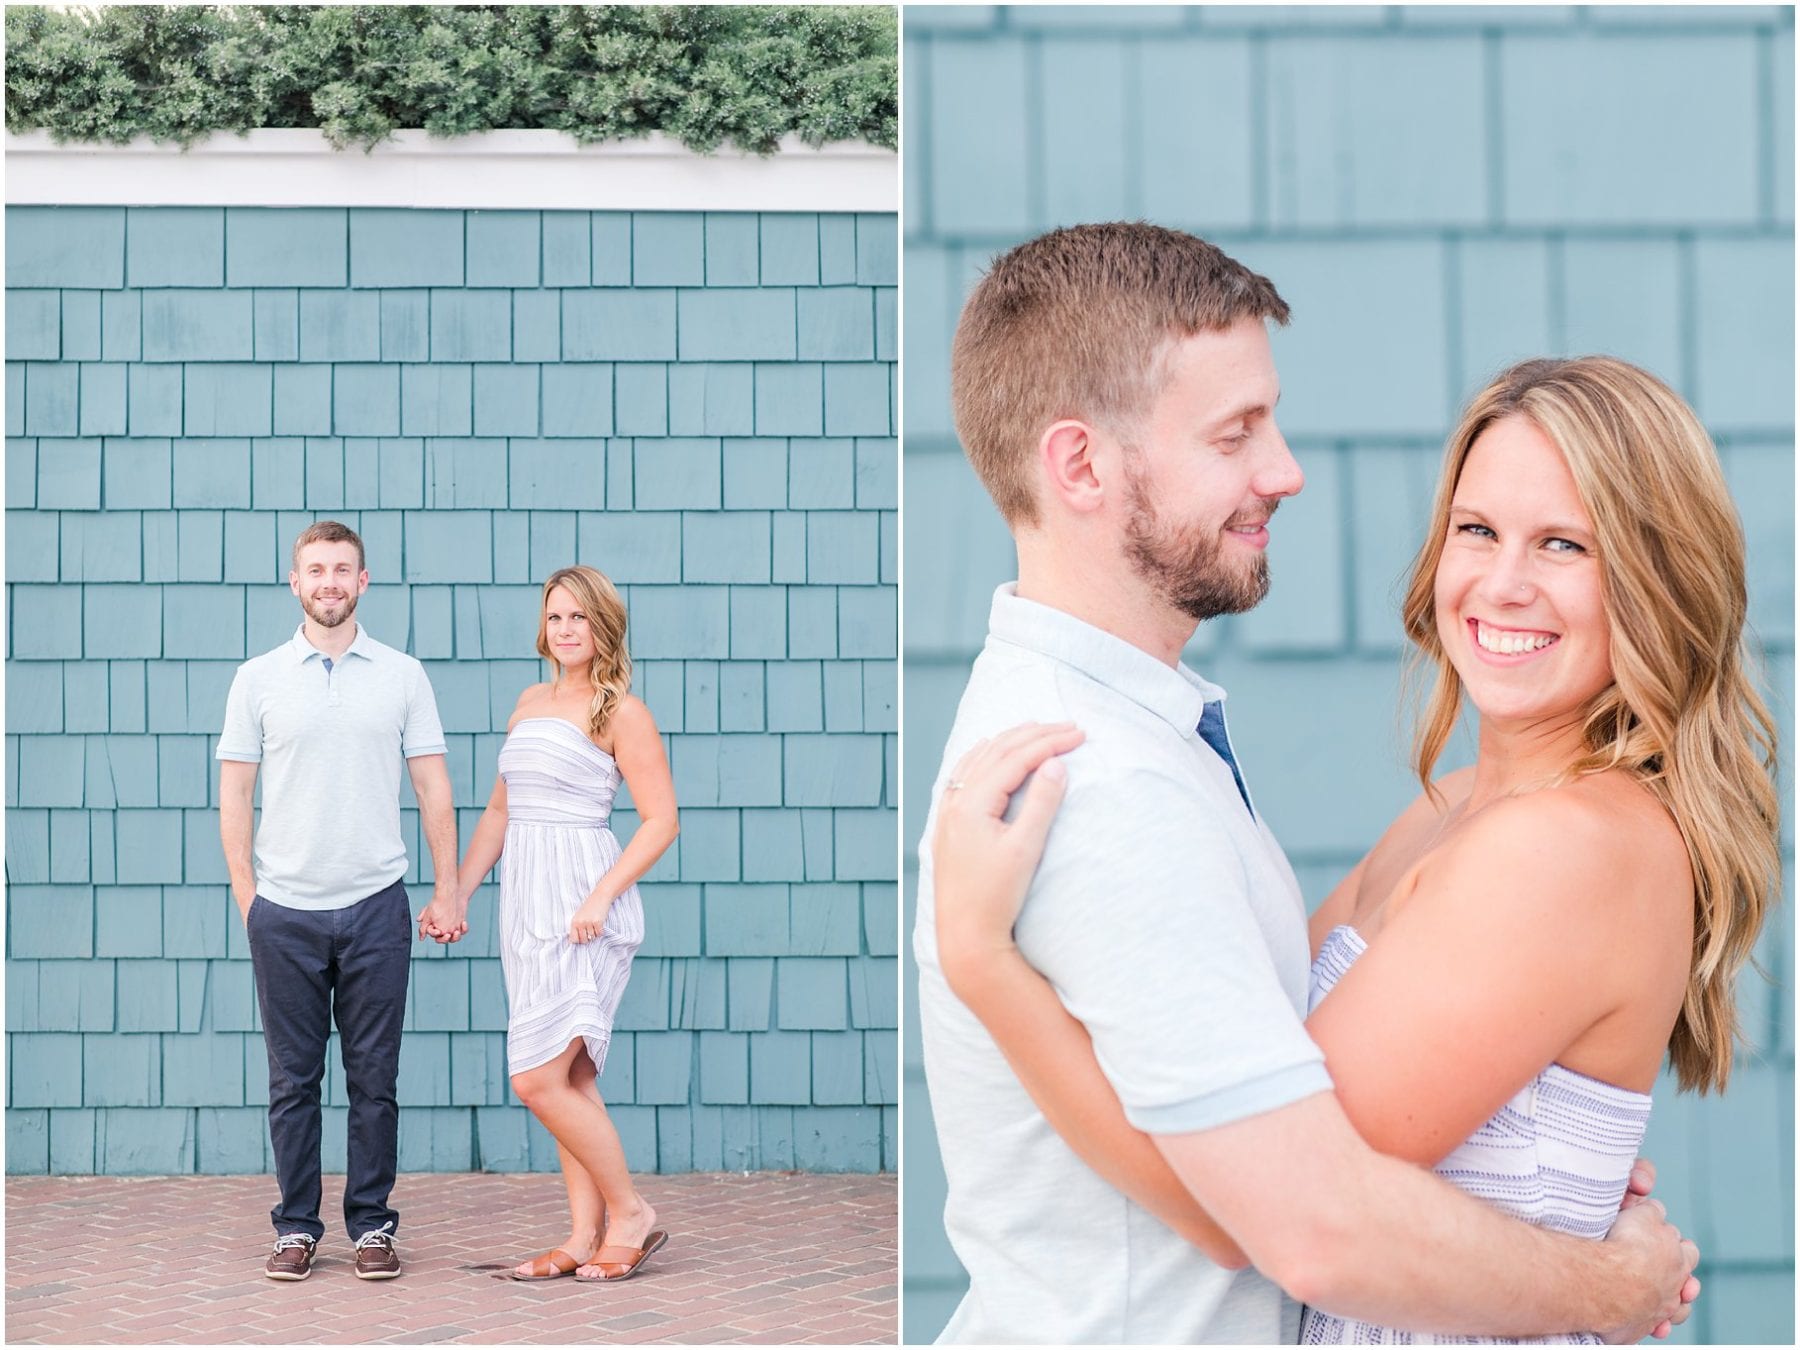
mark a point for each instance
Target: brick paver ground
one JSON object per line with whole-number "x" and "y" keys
{"x": 770, "y": 1258}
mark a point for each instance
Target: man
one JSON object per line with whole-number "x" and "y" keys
{"x": 330, "y": 714}
{"x": 1115, "y": 391}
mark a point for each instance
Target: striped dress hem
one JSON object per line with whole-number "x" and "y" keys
{"x": 544, "y": 1032}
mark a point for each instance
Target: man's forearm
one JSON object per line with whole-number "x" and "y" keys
{"x": 1369, "y": 1237}
{"x": 438, "y": 820}
{"x": 234, "y": 835}
{"x": 1407, "y": 1249}
{"x": 437, "y": 817}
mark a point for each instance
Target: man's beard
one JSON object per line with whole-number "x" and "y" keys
{"x": 329, "y": 618}
{"x": 1184, "y": 566}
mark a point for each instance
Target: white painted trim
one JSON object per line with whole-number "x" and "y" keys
{"x": 534, "y": 170}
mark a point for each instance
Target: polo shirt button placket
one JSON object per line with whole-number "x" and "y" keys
{"x": 331, "y": 693}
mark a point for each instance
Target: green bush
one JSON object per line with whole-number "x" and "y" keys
{"x": 709, "y": 75}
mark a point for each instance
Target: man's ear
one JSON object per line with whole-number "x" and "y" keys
{"x": 1067, "y": 452}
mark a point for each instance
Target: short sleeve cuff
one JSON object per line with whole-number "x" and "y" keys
{"x": 238, "y": 756}
{"x": 429, "y": 748}
{"x": 1234, "y": 1102}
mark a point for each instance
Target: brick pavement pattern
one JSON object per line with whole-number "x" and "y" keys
{"x": 766, "y": 1258}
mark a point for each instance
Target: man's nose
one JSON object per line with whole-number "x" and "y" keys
{"x": 1281, "y": 475}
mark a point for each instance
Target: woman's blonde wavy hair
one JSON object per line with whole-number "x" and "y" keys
{"x": 610, "y": 669}
{"x": 1682, "y": 714}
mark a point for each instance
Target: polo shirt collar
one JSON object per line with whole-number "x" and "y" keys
{"x": 304, "y": 651}
{"x": 1175, "y": 694}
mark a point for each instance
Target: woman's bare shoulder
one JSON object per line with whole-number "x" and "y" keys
{"x": 1599, "y": 844}
{"x": 1612, "y": 811}
{"x": 529, "y": 697}
{"x": 631, "y": 720}
{"x": 1454, "y": 786}
{"x": 1427, "y": 808}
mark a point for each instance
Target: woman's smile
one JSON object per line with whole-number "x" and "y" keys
{"x": 1509, "y": 646}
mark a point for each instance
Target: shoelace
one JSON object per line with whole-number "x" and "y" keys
{"x": 287, "y": 1240}
{"x": 380, "y": 1235}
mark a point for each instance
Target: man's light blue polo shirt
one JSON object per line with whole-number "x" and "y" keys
{"x": 1168, "y": 919}
{"x": 331, "y": 738}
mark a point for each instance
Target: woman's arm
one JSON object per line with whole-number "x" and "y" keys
{"x": 982, "y": 868}
{"x": 638, "y": 751}
{"x": 447, "y": 919}
{"x": 1053, "y": 1057}
{"x": 1521, "y": 935}
{"x": 485, "y": 845}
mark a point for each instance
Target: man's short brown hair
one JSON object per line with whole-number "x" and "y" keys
{"x": 329, "y": 532}
{"x": 1071, "y": 324}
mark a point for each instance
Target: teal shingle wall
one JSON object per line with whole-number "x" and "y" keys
{"x": 1436, "y": 191}
{"x": 697, "y": 404}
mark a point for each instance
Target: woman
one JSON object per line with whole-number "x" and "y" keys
{"x": 570, "y": 917}
{"x": 1509, "y": 963}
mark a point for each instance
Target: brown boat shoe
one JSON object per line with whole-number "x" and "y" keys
{"x": 376, "y": 1258}
{"x": 292, "y": 1258}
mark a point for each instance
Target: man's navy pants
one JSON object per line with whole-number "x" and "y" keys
{"x": 311, "y": 966}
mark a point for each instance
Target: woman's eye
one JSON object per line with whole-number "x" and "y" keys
{"x": 1561, "y": 545}
{"x": 1478, "y": 531}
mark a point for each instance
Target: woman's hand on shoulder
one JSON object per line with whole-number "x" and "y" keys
{"x": 982, "y": 864}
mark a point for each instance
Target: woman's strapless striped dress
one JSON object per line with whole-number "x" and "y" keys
{"x": 559, "y": 795}
{"x": 1557, "y": 1155}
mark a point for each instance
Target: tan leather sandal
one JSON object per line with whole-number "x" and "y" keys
{"x": 552, "y": 1265}
{"x": 621, "y": 1263}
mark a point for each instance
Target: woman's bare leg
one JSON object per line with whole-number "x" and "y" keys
{"x": 587, "y": 1209}
{"x": 577, "y": 1120}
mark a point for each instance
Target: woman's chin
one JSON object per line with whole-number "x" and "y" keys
{"x": 1506, "y": 707}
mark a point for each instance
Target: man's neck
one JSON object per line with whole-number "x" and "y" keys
{"x": 332, "y": 642}
{"x": 1093, "y": 588}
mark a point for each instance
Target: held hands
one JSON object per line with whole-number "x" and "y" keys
{"x": 590, "y": 919}
{"x": 1657, "y": 1255}
{"x": 983, "y": 864}
{"x": 445, "y": 918}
